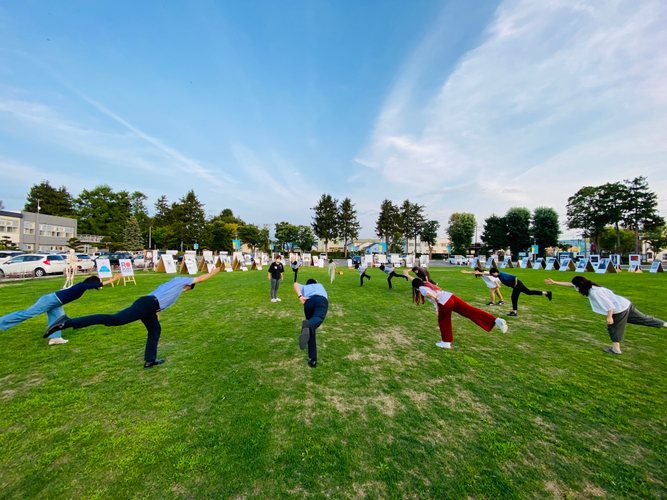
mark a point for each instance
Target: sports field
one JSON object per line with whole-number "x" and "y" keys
{"x": 235, "y": 412}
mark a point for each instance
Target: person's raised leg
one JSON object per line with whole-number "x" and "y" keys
{"x": 43, "y": 305}
{"x": 636, "y": 317}
{"x": 477, "y": 316}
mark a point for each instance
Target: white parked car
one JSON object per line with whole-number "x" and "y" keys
{"x": 5, "y": 255}
{"x": 35, "y": 264}
{"x": 85, "y": 262}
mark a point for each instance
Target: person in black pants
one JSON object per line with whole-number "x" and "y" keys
{"x": 295, "y": 268}
{"x": 423, "y": 274}
{"x": 392, "y": 274}
{"x": 315, "y": 302}
{"x": 144, "y": 309}
{"x": 515, "y": 284}
{"x": 362, "y": 272}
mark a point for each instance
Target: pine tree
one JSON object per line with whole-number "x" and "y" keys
{"x": 325, "y": 221}
{"x": 132, "y": 239}
{"x": 349, "y": 226}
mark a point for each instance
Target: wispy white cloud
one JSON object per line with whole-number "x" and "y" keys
{"x": 559, "y": 94}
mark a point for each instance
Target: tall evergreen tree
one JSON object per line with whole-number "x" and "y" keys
{"x": 388, "y": 224}
{"x": 412, "y": 221}
{"x": 325, "y": 221}
{"x": 461, "y": 230}
{"x": 613, "y": 199}
{"x": 545, "y": 229}
{"x": 641, "y": 208}
{"x": 349, "y": 224}
{"x": 517, "y": 220}
{"x": 189, "y": 218}
{"x": 132, "y": 237}
{"x": 52, "y": 201}
{"x": 586, "y": 211}
{"x": 163, "y": 215}
{"x": 495, "y": 233}
{"x": 305, "y": 238}
{"x": 429, "y": 234}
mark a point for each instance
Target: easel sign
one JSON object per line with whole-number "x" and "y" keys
{"x": 551, "y": 263}
{"x": 166, "y": 265}
{"x": 257, "y": 264}
{"x": 474, "y": 263}
{"x": 507, "y": 263}
{"x": 423, "y": 260}
{"x": 395, "y": 259}
{"x": 656, "y": 267}
{"x": 615, "y": 260}
{"x": 635, "y": 261}
{"x": 103, "y": 268}
{"x": 206, "y": 263}
{"x": 525, "y": 263}
{"x": 307, "y": 260}
{"x": 595, "y": 260}
{"x": 126, "y": 271}
{"x": 584, "y": 266}
{"x": 382, "y": 259}
{"x": 349, "y": 263}
{"x": 227, "y": 263}
{"x": 539, "y": 263}
{"x": 188, "y": 265}
{"x": 605, "y": 266}
{"x": 368, "y": 259}
{"x": 567, "y": 265}
{"x": 491, "y": 262}
{"x": 320, "y": 263}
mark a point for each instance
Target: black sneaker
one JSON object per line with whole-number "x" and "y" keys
{"x": 57, "y": 325}
{"x": 490, "y": 304}
{"x": 512, "y": 314}
{"x": 501, "y": 303}
{"x": 312, "y": 363}
{"x": 151, "y": 364}
{"x": 305, "y": 334}
{"x": 549, "y": 295}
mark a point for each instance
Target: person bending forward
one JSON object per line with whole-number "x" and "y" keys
{"x": 315, "y": 302}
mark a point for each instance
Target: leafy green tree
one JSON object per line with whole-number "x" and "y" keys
{"x": 189, "y": 219}
{"x": 220, "y": 236}
{"x": 412, "y": 220}
{"x": 264, "y": 238}
{"x": 305, "y": 238}
{"x": 102, "y": 211}
{"x": 609, "y": 240}
{"x": 641, "y": 212}
{"x": 461, "y": 230}
{"x": 139, "y": 211}
{"x": 388, "y": 224}
{"x": 495, "y": 233}
{"x": 545, "y": 229}
{"x": 132, "y": 238}
{"x": 75, "y": 244}
{"x": 656, "y": 238}
{"x": 429, "y": 234}
{"x": 325, "y": 221}
{"x": 228, "y": 217}
{"x": 518, "y": 229}
{"x": 7, "y": 244}
{"x": 349, "y": 224}
{"x": 587, "y": 211}
{"x": 286, "y": 234}
{"x": 250, "y": 235}
{"x": 614, "y": 198}
{"x": 52, "y": 201}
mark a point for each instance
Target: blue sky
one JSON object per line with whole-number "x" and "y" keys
{"x": 263, "y": 106}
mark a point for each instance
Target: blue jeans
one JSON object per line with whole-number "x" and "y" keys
{"x": 315, "y": 308}
{"x": 48, "y": 304}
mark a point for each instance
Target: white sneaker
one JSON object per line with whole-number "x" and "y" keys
{"x": 444, "y": 345}
{"x": 502, "y": 324}
{"x": 58, "y": 340}
{"x": 278, "y": 300}
{"x": 274, "y": 300}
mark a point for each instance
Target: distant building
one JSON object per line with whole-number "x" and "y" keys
{"x": 440, "y": 246}
{"x": 21, "y": 228}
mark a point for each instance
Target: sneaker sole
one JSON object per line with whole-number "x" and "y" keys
{"x": 305, "y": 335}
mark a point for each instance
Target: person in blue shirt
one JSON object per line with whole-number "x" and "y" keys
{"x": 52, "y": 304}
{"x": 515, "y": 284}
{"x": 315, "y": 302}
{"x": 144, "y": 309}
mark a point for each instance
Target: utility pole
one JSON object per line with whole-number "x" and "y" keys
{"x": 37, "y": 228}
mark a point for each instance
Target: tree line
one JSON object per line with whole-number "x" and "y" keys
{"x": 397, "y": 224}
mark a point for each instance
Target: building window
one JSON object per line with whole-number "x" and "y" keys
{"x": 9, "y": 226}
{"x": 27, "y": 247}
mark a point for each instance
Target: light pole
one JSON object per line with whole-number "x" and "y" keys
{"x": 37, "y": 228}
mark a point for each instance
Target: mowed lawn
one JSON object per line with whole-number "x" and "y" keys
{"x": 235, "y": 412}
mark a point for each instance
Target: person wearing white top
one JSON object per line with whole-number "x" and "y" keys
{"x": 445, "y": 303}
{"x": 493, "y": 283}
{"x": 362, "y": 272}
{"x": 618, "y": 309}
{"x": 390, "y": 270}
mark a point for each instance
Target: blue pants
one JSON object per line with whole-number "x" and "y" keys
{"x": 315, "y": 308}
{"x": 144, "y": 309}
{"x": 48, "y": 304}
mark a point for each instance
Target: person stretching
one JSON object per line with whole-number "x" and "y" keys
{"x": 492, "y": 283}
{"x": 423, "y": 274}
{"x": 144, "y": 309}
{"x": 446, "y": 302}
{"x": 361, "y": 267}
{"x": 332, "y": 270}
{"x": 276, "y": 271}
{"x": 315, "y": 302}
{"x": 618, "y": 310}
{"x": 52, "y": 304}
{"x": 387, "y": 269}
{"x": 515, "y": 284}
{"x": 295, "y": 268}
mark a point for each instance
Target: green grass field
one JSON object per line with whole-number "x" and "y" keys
{"x": 235, "y": 412}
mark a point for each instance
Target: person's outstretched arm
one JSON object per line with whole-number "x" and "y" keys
{"x": 297, "y": 289}
{"x": 115, "y": 278}
{"x": 549, "y": 281}
{"x": 204, "y": 277}
{"x": 406, "y": 273}
{"x": 478, "y": 273}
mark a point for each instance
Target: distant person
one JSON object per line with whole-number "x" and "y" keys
{"x": 493, "y": 284}
{"x": 423, "y": 274}
{"x": 276, "y": 271}
{"x": 52, "y": 304}
{"x": 295, "y": 267}
{"x": 361, "y": 267}
{"x": 618, "y": 309}
{"x": 332, "y": 270}
{"x": 315, "y": 302}
{"x": 144, "y": 309}
{"x": 390, "y": 270}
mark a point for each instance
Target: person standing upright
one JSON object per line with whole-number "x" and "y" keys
{"x": 276, "y": 271}
{"x": 332, "y": 270}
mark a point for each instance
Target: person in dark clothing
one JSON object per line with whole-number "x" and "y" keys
{"x": 362, "y": 272}
{"x": 52, "y": 304}
{"x": 276, "y": 271}
{"x": 144, "y": 309}
{"x": 387, "y": 269}
{"x": 515, "y": 284}
{"x": 315, "y": 302}
{"x": 295, "y": 267}
{"x": 423, "y": 274}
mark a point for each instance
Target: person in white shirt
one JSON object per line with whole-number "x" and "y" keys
{"x": 362, "y": 272}
{"x": 387, "y": 269}
{"x": 619, "y": 310}
{"x": 446, "y": 302}
{"x": 493, "y": 283}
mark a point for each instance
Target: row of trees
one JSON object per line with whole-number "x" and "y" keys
{"x": 398, "y": 224}
{"x": 335, "y": 221}
{"x": 629, "y": 204}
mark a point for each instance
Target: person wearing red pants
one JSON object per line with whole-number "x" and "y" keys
{"x": 446, "y": 303}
